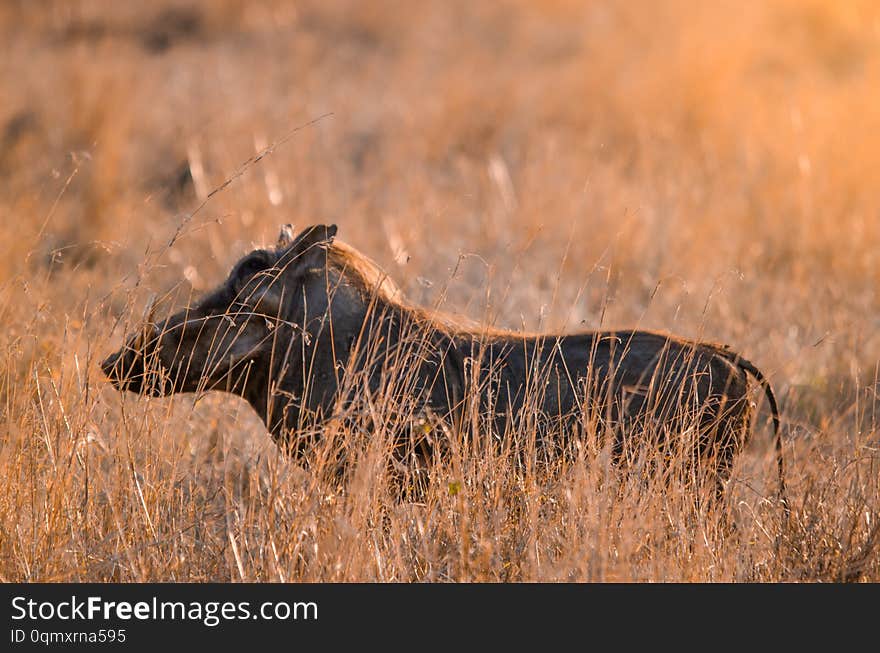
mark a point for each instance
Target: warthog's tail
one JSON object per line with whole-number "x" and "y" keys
{"x": 749, "y": 367}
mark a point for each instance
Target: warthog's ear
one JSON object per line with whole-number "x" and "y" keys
{"x": 316, "y": 236}
{"x": 309, "y": 247}
{"x": 285, "y": 238}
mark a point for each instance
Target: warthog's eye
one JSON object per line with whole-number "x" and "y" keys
{"x": 249, "y": 267}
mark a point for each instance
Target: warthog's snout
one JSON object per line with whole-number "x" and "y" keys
{"x": 128, "y": 368}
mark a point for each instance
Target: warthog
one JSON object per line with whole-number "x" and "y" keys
{"x": 293, "y": 327}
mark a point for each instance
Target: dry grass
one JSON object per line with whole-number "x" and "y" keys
{"x": 710, "y": 170}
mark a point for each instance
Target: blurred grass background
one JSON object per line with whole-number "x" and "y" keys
{"x": 710, "y": 169}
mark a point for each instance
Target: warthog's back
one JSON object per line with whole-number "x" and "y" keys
{"x": 558, "y": 374}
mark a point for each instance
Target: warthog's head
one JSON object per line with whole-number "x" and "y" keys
{"x": 215, "y": 343}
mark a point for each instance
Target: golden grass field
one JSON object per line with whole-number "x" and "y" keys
{"x": 709, "y": 169}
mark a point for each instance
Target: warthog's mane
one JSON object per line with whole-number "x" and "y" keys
{"x": 363, "y": 272}
{"x": 368, "y": 276}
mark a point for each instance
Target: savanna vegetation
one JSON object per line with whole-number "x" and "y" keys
{"x": 708, "y": 169}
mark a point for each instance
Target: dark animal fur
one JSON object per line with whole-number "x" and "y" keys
{"x": 308, "y": 328}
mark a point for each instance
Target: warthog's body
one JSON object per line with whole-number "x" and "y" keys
{"x": 310, "y": 327}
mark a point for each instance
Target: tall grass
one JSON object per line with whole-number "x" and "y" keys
{"x": 711, "y": 171}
